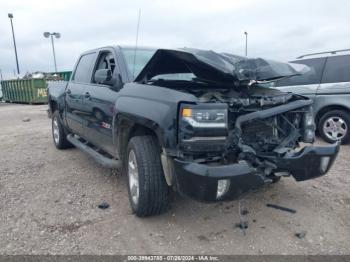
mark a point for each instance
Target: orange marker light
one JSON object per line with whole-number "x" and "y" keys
{"x": 186, "y": 112}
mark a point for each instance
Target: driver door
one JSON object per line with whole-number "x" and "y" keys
{"x": 101, "y": 100}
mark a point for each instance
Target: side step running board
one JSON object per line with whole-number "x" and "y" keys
{"x": 103, "y": 160}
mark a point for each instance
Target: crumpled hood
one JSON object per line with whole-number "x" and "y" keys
{"x": 214, "y": 67}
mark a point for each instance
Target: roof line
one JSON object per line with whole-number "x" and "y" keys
{"x": 321, "y": 53}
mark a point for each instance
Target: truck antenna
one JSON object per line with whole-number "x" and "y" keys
{"x": 137, "y": 38}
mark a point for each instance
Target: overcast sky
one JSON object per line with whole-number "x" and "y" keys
{"x": 279, "y": 30}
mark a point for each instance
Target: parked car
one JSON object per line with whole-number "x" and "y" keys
{"x": 328, "y": 85}
{"x": 192, "y": 120}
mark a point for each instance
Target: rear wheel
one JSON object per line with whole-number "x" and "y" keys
{"x": 58, "y": 132}
{"x": 334, "y": 125}
{"x": 147, "y": 188}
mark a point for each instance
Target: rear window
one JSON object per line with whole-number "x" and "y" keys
{"x": 337, "y": 69}
{"x": 83, "y": 71}
{"x": 313, "y": 76}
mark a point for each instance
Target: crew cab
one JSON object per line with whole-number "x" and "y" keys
{"x": 196, "y": 121}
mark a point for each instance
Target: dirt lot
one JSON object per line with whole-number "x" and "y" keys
{"x": 49, "y": 199}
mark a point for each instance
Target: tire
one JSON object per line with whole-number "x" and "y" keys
{"x": 59, "y": 133}
{"x": 328, "y": 131}
{"x": 148, "y": 196}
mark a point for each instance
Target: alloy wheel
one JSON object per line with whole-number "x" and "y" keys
{"x": 335, "y": 128}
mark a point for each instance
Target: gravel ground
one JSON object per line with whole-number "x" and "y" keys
{"x": 49, "y": 199}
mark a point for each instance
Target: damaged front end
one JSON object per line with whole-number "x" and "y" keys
{"x": 238, "y": 135}
{"x": 244, "y": 146}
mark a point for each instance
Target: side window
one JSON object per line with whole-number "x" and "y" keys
{"x": 83, "y": 71}
{"x": 105, "y": 61}
{"x": 337, "y": 69}
{"x": 313, "y": 76}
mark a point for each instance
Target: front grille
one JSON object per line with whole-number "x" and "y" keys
{"x": 257, "y": 129}
{"x": 204, "y": 145}
{"x": 266, "y": 134}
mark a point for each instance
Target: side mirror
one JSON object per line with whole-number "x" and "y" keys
{"x": 104, "y": 77}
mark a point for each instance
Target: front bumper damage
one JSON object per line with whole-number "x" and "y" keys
{"x": 252, "y": 166}
{"x": 310, "y": 162}
{"x": 200, "y": 181}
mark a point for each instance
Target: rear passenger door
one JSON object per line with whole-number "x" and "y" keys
{"x": 101, "y": 102}
{"x": 76, "y": 110}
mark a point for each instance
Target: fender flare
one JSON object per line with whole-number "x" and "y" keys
{"x": 124, "y": 125}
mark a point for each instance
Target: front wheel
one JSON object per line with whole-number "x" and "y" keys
{"x": 147, "y": 188}
{"x": 334, "y": 125}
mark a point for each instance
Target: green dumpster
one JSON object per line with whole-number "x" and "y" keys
{"x": 64, "y": 75}
{"x": 31, "y": 91}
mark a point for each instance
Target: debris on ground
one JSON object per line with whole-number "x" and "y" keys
{"x": 103, "y": 205}
{"x": 242, "y": 225}
{"x": 243, "y": 212}
{"x": 282, "y": 208}
{"x": 26, "y": 119}
{"x": 203, "y": 238}
{"x": 301, "y": 234}
{"x": 114, "y": 172}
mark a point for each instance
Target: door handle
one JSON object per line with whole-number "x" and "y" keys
{"x": 68, "y": 91}
{"x": 87, "y": 95}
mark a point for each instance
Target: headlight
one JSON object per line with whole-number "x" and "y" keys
{"x": 205, "y": 118}
{"x": 202, "y": 127}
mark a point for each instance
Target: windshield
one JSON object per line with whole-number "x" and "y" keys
{"x": 136, "y": 60}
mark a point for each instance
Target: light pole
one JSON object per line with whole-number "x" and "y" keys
{"x": 246, "y": 43}
{"x": 57, "y": 35}
{"x": 14, "y": 40}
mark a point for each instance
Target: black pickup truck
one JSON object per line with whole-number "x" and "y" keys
{"x": 200, "y": 122}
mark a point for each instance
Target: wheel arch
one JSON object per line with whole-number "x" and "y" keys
{"x": 53, "y": 106}
{"x": 125, "y": 128}
{"x": 328, "y": 108}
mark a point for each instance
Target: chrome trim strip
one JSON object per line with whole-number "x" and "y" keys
{"x": 205, "y": 138}
{"x": 194, "y": 123}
